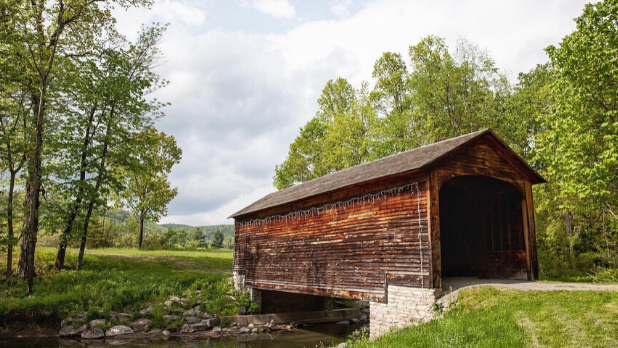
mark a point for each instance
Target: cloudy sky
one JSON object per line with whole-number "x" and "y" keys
{"x": 245, "y": 74}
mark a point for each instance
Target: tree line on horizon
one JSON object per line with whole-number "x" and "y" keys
{"x": 116, "y": 229}
{"x": 77, "y": 125}
{"x": 561, "y": 117}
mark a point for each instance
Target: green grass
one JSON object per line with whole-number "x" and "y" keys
{"x": 489, "y": 317}
{"x": 598, "y": 276}
{"x": 118, "y": 279}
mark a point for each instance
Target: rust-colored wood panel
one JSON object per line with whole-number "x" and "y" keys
{"x": 481, "y": 159}
{"x": 344, "y": 251}
{"x": 353, "y": 191}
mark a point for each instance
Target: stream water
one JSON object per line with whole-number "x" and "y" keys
{"x": 309, "y": 337}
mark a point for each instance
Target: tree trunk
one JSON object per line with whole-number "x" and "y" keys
{"x": 33, "y": 197}
{"x": 571, "y": 241}
{"x": 141, "y": 233}
{"x": 97, "y": 187}
{"x": 64, "y": 238}
{"x": 82, "y": 247}
{"x": 9, "y": 212}
{"x": 34, "y": 158}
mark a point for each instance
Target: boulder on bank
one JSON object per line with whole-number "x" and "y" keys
{"x": 118, "y": 330}
{"x": 192, "y": 320}
{"x": 170, "y": 317}
{"x": 141, "y": 325}
{"x": 146, "y": 311}
{"x": 70, "y": 331}
{"x": 97, "y": 323}
{"x": 93, "y": 334}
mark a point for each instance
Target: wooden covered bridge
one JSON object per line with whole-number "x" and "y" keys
{"x": 389, "y": 231}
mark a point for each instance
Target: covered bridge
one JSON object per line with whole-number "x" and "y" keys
{"x": 389, "y": 231}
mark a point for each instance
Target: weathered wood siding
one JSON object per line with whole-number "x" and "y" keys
{"x": 480, "y": 159}
{"x": 348, "y": 252}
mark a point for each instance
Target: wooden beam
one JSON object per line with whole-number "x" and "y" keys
{"x": 532, "y": 231}
{"x": 433, "y": 209}
{"x": 524, "y": 213}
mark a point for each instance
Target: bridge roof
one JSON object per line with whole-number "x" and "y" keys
{"x": 418, "y": 159}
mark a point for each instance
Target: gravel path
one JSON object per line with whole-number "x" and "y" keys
{"x": 452, "y": 286}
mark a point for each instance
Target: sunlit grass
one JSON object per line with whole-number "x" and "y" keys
{"x": 490, "y": 317}
{"x": 119, "y": 279}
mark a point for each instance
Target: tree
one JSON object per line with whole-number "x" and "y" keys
{"x": 108, "y": 107}
{"x": 526, "y": 113}
{"x": 147, "y": 190}
{"x": 14, "y": 111}
{"x": 217, "y": 241}
{"x": 228, "y": 242}
{"x": 454, "y": 94}
{"x": 336, "y": 138}
{"x": 579, "y": 148}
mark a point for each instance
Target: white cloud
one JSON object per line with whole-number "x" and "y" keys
{"x": 340, "y": 7}
{"x": 176, "y": 13}
{"x": 172, "y": 11}
{"x": 275, "y": 8}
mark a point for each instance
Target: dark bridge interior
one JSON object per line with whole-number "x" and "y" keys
{"x": 481, "y": 229}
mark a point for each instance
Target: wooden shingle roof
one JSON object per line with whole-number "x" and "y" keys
{"x": 409, "y": 161}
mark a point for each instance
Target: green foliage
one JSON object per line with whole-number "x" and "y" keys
{"x": 578, "y": 147}
{"x": 336, "y": 138}
{"x": 147, "y": 190}
{"x": 228, "y": 242}
{"x": 115, "y": 279}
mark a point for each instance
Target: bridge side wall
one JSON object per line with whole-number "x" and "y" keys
{"x": 353, "y": 250}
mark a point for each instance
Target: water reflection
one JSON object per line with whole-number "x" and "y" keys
{"x": 328, "y": 334}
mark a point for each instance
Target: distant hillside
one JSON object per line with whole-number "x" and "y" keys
{"x": 176, "y": 226}
{"x": 227, "y": 230}
{"x": 128, "y": 224}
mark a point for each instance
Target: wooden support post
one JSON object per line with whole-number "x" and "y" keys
{"x": 524, "y": 213}
{"x": 531, "y": 232}
{"x": 433, "y": 206}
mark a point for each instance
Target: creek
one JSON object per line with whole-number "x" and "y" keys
{"x": 322, "y": 335}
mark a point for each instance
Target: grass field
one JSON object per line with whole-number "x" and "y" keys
{"x": 489, "y": 317}
{"x": 118, "y": 279}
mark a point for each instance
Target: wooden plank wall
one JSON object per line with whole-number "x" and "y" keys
{"x": 352, "y": 252}
{"x": 480, "y": 159}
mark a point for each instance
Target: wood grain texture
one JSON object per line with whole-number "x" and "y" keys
{"x": 348, "y": 252}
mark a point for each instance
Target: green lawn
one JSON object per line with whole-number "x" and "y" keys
{"x": 117, "y": 279}
{"x": 489, "y": 317}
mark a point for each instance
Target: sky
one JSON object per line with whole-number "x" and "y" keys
{"x": 245, "y": 75}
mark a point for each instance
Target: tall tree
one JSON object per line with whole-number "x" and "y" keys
{"x": 108, "y": 107}
{"x": 217, "y": 241}
{"x": 14, "y": 110}
{"x": 148, "y": 192}
{"x": 396, "y": 130}
{"x": 454, "y": 94}
{"x": 579, "y": 149}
